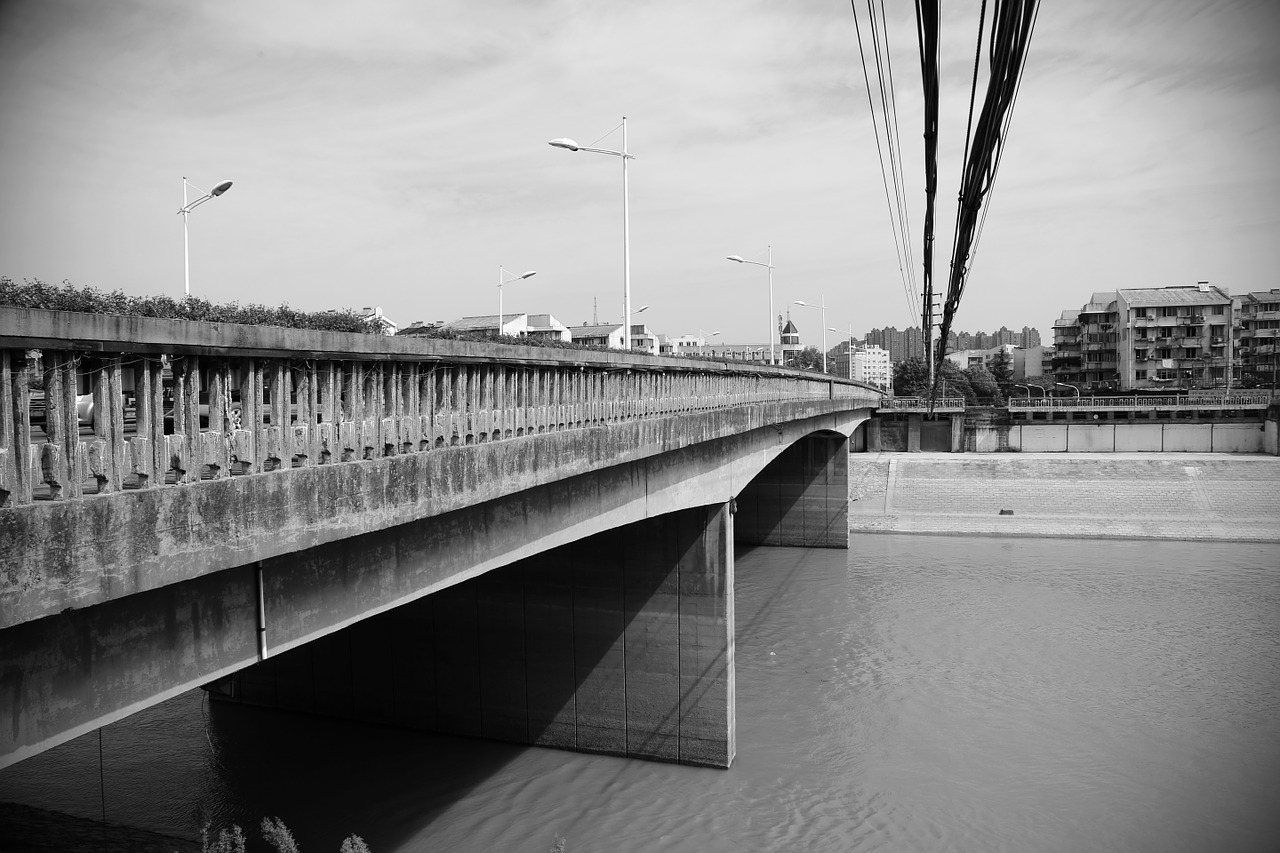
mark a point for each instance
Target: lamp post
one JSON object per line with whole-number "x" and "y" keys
{"x": 187, "y": 208}
{"x": 1030, "y": 396}
{"x": 1065, "y": 385}
{"x": 502, "y": 279}
{"x": 702, "y": 336}
{"x": 823, "y": 308}
{"x": 741, "y": 260}
{"x": 570, "y": 145}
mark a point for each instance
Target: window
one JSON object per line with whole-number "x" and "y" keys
{"x": 1169, "y": 311}
{"x": 1217, "y": 309}
{"x": 1190, "y": 352}
{"x": 1164, "y": 352}
{"x": 1140, "y": 374}
{"x": 1166, "y": 373}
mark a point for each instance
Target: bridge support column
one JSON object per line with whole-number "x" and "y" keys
{"x": 801, "y": 498}
{"x": 914, "y": 425}
{"x": 620, "y": 643}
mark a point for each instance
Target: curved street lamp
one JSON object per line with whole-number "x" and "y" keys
{"x": 1065, "y": 385}
{"x": 570, "y": 145}
{"x": 741, "y": 260}
{"x": 502, "y": 279}
{"x": 187, "y": 208}
{"x": 822, "y": 307}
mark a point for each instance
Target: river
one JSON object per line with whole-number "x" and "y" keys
{"x": 913, "y": 693}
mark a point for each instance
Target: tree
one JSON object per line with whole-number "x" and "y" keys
{"x": 911, "y": 378}
{"x": 984, "y": 384}
{"x": 1001, "y": 367}
{"x": 809, "y": 358}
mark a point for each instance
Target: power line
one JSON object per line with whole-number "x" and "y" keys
{"x": 896, "y": 219}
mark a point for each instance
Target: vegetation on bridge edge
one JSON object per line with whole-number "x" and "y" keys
{"x": 35, "y": 293}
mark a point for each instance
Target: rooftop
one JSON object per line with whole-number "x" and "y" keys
{"x": 1183, "y": 295}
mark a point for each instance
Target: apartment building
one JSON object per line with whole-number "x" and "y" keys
{"x": 1175, "y": 338}
{"x": 1257, "y": 338}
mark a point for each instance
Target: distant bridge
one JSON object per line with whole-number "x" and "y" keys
{"x": 524, "y": 543}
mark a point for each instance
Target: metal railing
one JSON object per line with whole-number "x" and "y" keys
{"x": 100, "y": 405}
{"x": 1174, "y": 402}
{"x": 921, "y": 404}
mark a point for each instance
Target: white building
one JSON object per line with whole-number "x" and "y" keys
{"x": 516, "y": 325}
{"x": 871, "y": 365}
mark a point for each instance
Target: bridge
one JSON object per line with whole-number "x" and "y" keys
{"x": 522, "y": 543}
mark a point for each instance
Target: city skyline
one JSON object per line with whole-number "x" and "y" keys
{"x": 396, "y": 156}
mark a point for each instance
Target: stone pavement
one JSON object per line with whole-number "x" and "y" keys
{"x": 1205, "y": 496}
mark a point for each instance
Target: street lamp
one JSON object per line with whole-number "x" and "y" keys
{"x": 570, "y": 145}
{"x": 1065, "y": 385}
{"x": 187, "y": 208}
{"x": 850, "y": 351}
{"x": 702, "y": 337}
{"x": 741, "y": 260}
{"x": 640, "y": 310}
{"x": 823, "y": 308}
{"x": 502, "y": 279}
{"x": 1043, "y": 392}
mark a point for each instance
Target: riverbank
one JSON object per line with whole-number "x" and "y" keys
{"x": 1180, "y": 496}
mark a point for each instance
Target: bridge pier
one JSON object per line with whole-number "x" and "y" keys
{"x": 801, "y": 498}
{"x": 619, "y": 643}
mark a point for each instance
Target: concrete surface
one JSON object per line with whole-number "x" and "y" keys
{"x": 1188, "y": 496}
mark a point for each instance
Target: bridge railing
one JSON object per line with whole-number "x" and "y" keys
{"x": 1165, "y": 402}
{"x": 921, "y": 404}
{"x": 98, "y": 404}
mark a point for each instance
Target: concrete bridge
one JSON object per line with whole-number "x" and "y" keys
{"x": 503, "y": 541}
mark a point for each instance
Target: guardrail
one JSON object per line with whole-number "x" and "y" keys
{"x": 1171, "y": 402}
{"x": 175, "y": 402}
{"x": 921, "y": 404}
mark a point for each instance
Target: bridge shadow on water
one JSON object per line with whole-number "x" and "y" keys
{"x": 534, "y": 654}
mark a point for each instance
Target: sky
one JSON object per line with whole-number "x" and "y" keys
{"x": 394, "y": 153}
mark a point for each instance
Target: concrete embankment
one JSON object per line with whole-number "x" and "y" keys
{"x": 1227, "y": 497}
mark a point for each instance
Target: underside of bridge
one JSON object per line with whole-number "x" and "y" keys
{"x": 620, "y": 643}
{"x": 593, "y": 614}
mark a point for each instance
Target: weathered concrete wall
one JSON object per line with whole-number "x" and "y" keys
{"x": 1038, "y": 439}
{"x": 309, "y": 594}
{"x": 621, "y": 643}
{"x": 801, "y": 498}
{"x": 1146, "y": 438}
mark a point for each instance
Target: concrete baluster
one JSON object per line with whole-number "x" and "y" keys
{"x": 300, "y": 431}
{"x": 352, "y": 412}
{"x": 15, "y": 429}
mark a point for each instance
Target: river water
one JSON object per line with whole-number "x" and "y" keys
{"x": 913, "y": 693}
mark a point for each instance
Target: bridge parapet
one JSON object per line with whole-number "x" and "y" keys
{"x": 137, "y": 403}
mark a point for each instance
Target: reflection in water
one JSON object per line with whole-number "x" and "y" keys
{"x": 915, "y": 693}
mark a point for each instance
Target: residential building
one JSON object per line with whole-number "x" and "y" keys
{"x": 1174, "y": 337}
{"x": 1152, "y": 337}
{"x": 1257, "y": 339}
{"x": 379, "y": 321}
{"x": 605, "y": 335}
{"x": 643, "y": 340}
{"x": 516, "y": 325}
